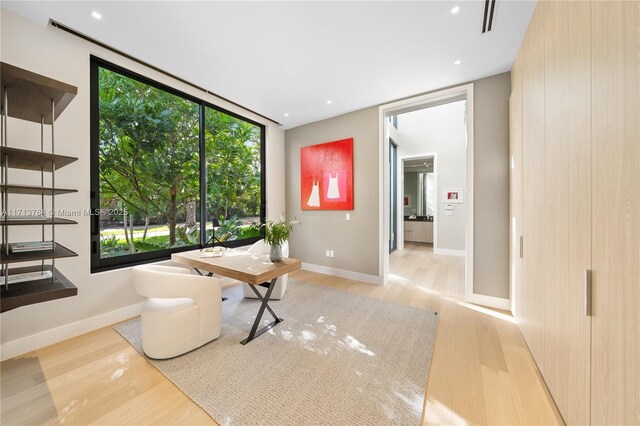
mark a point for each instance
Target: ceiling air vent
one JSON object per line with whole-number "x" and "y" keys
{"x": 487, "y": 20}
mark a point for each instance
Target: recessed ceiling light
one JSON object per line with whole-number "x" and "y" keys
{"x": 329, "y": 102}
{"x": 286, "y": 114}
{"x": 96, "y": 15}
{"x": 458, "y": 62}
{"x": 455, "y": 10}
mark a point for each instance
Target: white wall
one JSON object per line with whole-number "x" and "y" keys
{"x": 440, "y": 130}
{"x": 59, "y": 55}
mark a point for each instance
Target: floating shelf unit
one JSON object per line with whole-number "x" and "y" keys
{"x": 36, "y": 291}
{"x": 33, "y": 190}
{"x": 39, "y": 99}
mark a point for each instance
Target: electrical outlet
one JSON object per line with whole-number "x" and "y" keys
{"x": 331, "y": 252}
{"x": 328, "y": 253}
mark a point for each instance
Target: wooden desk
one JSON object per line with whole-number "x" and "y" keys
{"x": 255, "y": 270}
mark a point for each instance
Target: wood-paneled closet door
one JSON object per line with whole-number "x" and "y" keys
{"x": 531, "y": 312}
{"x": 615, "y": 378}
{"x": 567, "y": 206}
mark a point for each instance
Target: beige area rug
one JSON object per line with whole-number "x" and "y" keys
{"x": 337, "y": 359}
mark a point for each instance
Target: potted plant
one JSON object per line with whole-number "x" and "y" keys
{"x": 277, "y": 232}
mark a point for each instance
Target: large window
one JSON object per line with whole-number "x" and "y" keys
{"x": 167, "y": 171}
{"x": 234, "y": 173}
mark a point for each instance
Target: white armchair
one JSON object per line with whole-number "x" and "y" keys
{"x": 261, "y": 247}
{"x": 182, "y": 312}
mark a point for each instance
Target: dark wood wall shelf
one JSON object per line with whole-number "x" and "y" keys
{"x": 33, "y": 160}
{"x": 31, "y": 94}
{"x": 39, "y": 99}
{"x": 36, "y": 291}
{"x": 35, "y": 190}
{"x": 59, "y": 252}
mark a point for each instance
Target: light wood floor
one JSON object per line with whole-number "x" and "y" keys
{"x": 481, "y": 373}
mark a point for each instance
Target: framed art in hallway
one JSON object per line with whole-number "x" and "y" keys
{"x": 326, "y": 176}
{"x": 452, "y": 196}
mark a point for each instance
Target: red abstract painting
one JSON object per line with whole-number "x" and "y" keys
{"x": 326, "y": 176}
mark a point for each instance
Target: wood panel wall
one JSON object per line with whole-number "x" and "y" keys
{"x": 615, "y": 130}
{"x": 575, "y": 116}
{"x": 567, "y": 205}
{"x": 533, "y": 169}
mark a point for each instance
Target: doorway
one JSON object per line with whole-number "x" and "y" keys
{"x": 422, "y": 135}
{"x": 419, "y": 200}
{"x": 463, "y": 192}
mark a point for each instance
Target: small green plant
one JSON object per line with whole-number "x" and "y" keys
{"x": 229, "y": 229}
{"x": 111, "y": 246}
{"x": 277, "y": 232}
{"x": 109, "y": 243}
{"x": 188, "y": 236}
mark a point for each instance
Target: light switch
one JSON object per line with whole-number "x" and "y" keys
{"x": 348, "y": 216}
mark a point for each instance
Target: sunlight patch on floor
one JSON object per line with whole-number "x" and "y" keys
{"x": 117, "y": 374}
{"x": 487, "y": 311}
{"x": 398, "y": 278}
{"x": 433, "y": 292}
{"x": 413, "y": 400}
{"x": 353, "y": 343}
{"x": 122, "y": 358}
{"x": 322, "y": 338}
{"x": 437, "y": 413}
{"x": 308, "y": 335}
{"x": 286, "y": 334}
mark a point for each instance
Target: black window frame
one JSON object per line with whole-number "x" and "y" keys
{"x": 99, "y": 264}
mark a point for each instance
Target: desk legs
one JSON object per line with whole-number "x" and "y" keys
{"x": 265, "y": 305}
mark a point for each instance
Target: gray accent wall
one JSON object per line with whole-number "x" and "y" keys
{"x": 355, "y": 242}
{"x": 491, "y": 185}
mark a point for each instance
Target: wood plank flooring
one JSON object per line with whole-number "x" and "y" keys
{"x": 481, "y": 373}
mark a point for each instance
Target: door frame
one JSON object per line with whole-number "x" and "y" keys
{"x": 411, "y": 104}
{"x": 401, "y": 160}
{"x": 396, "y": 242}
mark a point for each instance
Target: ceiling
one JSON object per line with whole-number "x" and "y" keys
{"x": 280, "y": 58}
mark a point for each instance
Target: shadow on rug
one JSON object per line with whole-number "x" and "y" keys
{"x": 337, "y": 359}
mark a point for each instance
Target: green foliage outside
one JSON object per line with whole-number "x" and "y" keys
{"x": 232, "y": 150}
{"x": 149, "y": 165}
{"x": 112, "y": 246}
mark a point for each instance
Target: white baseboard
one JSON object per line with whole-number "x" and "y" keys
{"x": 343, "y": 273}
{"x": 26, "y": 344}
{"x": 450, "y": 252}
{"x": 490, "y": 301}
